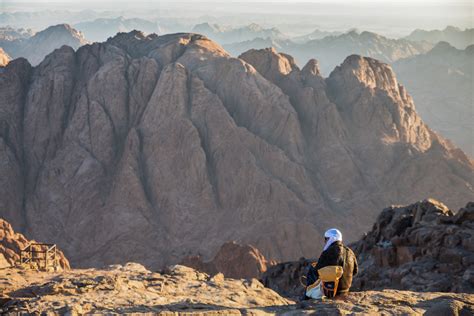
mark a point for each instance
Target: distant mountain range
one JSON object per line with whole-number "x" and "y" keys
{"x": 441, "y": 83}
{"x": 36, "y": 47}
{"x": 453, "y": 35}
{"x": 225, "y": 35}
{"x": 315, "y": 35}
{"x": 330, "y": 51}
{"x": 9, "y": 33}
{"x": 101, "y": 29}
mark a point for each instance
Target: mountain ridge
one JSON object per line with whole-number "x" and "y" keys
{"x": 144, "y": 148}
{"x": 39, "y": 45}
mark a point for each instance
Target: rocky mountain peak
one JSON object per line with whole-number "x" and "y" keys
{"x": 442, "y": 48}
{"x": 367, "y": 71}
{"x": 36, "y": 47}
{"x": 311, "y": 68}
{"x": 362, "y": 76}
{"x": 269, "y": 62}
{"x": 61, "y": 31}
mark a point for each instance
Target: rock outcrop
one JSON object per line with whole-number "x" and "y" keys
{"x": 423, "y": 247}
{"x": 153, "y": 148}
{"x": 420, "y": 247}
{"x": 132, "y": 289}
{"x": 4, "y": 58}
{"x": 12, "y": 243}
{"x": 233, "y": 260}
{"x": 36, "y": 47}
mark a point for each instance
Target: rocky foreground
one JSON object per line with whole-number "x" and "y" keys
{"x": 131, "y": 288}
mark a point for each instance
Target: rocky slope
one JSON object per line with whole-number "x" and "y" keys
{"x": 36, "y": 47}
{"x": 422, "y": 247}
{"x": 453, "y": 35}
{"x": 233, "y": 260}
{"x": 183, "y": 291}
{"x": 440, "y": 82}
{"x": 12, "y": 243}
{"x": 100, "y": 29}
{"x": 152, "y": 148}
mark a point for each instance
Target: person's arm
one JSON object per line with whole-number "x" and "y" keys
{"x": 312, "y": 275}
{"x": 326, "y": 259}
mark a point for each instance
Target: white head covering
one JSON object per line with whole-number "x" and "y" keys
{"x": 334, "y": 235}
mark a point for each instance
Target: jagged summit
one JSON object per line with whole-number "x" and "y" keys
{"x": 150, "y": 148}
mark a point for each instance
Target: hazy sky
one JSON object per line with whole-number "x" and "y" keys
{"x": 388, "y": 17}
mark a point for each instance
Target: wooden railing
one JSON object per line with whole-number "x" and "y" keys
{"x": 39, "y": 256}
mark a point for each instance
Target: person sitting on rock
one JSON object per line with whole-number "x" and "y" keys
{"x": 334, "y": 254}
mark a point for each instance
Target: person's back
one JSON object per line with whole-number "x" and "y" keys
{"x": 336, "y": 254}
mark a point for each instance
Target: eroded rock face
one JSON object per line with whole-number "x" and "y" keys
{"x": 153, "y": 148}
{"x": 233, "y": 260}
{"x": 420, "y": 247}
{"x": 12, "y": 243}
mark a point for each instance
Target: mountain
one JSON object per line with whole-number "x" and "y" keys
{"x": 453, "y": 35}
{"x": 4, "y": 58}
{"x": 441, "y": 82}
{"x": 315, "y": 35}
{"x": 36, "y": 47}
{"x": 235, "y": 49}
{"x": 8, "y": 33}
{"x": 152, "y": 148}
{"x": 101, "y": 29}
{"x": 332, "y": 50}
{"x": 226, "y": 35}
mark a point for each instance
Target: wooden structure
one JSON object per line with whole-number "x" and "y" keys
{"x": 39, "y": 256}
